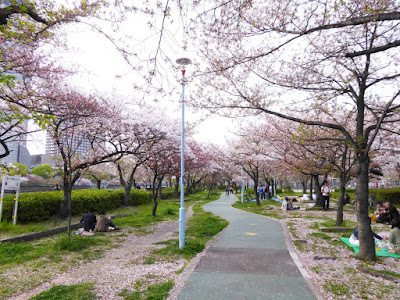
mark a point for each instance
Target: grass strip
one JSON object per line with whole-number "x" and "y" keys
{"x": 201, "y": 227}
{"x": 254, "y": 208}
{"x": 157, "y": 291}
{"x": 82, "y": 291}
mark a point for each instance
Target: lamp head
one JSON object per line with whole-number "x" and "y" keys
{"x": 183, "y": 61}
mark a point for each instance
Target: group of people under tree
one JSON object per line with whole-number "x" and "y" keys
{"x": 388, "y": 214}
{"x": 102, "y": 223}
{"x": 264, "y": 192}
{"x": 229, "y": 190}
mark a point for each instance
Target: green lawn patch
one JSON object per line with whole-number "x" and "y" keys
{"x": 332, "y": 223}
{"x": 166, "y": 210}
{"x": 158, "y": 291}
{"x": 76, "y": 242}
{"x": 82, "y": 291}
{"x": 254, "y": 208}
{"x": 201, "y": 227}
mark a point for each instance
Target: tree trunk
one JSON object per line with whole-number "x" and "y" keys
{"x": 340, "y": 204}
{"x": 304, "y": 185}
{"x": 155, "y": 204}
{"x": 98, "y": 183}
{"x": 318, "y": 191}
{"x": 69, "y": 208}
{"x": 127, "y": 194}
{"x": 63, "y": 212}
{"x": 367, "y": 246}
{"x": 256, "y": 193}
{"x": 311, "y": 187}
{"x": 209, "y": 191}
{"x": 155, "y": 193}
{"x": 177, "y": 187}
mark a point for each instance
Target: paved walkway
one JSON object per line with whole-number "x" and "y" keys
{"x": 249, "y": 260}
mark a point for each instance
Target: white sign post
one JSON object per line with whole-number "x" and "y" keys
{"x": 10, "y": 183}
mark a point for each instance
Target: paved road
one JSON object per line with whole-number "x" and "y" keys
{"x": 249, "y": 260}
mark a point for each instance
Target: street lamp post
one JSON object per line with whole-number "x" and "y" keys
{"x": 183, "y": 61}
{"x": 242, "y": 192}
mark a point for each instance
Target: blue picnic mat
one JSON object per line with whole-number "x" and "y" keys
{"x": 356, "y": 249}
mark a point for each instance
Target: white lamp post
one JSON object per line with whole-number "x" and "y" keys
{"x": 242, "y": 191}
{"x": 183, "y": 61}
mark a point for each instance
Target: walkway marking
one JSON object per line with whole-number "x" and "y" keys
{"x": 253, "y": 224}
{"x": 251, "y": 233}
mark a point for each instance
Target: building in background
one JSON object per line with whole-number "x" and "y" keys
{"x": 78, "y": 143}
{"x": 17, "y": 146}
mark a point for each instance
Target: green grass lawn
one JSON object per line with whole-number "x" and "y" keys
{"x": 7, "y": 230}
{"x": 68, "y": 292}
{"x": 32, "y": 263}
{"x": 201, "y": 227}
{"x": 157, "y": 291}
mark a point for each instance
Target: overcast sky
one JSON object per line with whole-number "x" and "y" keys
{"x": 102, "y": 69}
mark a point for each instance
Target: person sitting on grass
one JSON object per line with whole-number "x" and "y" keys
{"x": 354, "y": 237}
{"x": 104, "y": 223}
{"x": 89, "y": 220}
{"x": 285, "y": 203}
{"x": 392, "y": 211}
{"x": 346, "y": 199}
{"x": 394, "y": 237}
{"x": 288, "y": 204}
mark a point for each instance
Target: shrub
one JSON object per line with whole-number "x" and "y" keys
{"x": 287, "y": 189}
{"x": 168, "y": 193}
{"x": 33, "y": 207}
{"x": 250, "y": 190}
{"x": 138, "y": 197}
{"x": 347, "y": 190}
{"x": 387, "y": 195}
{"x": 221, "y": 187}
{"x": 40, "y": 206}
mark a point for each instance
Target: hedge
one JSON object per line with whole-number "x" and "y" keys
{"x": 40, "y": 206}
{"x": 168, "y": 192}
{"x": 387, "y": 195}
{"x": 384, "y": 195}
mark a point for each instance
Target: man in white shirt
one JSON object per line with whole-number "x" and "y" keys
{"x": 325, "y": 195}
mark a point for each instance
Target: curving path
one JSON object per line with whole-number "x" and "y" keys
{"x": 249, "y": 260}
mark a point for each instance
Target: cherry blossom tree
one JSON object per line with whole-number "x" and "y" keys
{"x": 197, "y": 161}
{"x": 141, "y": 138}
{"x": 160, "y": 165}
{"x": 85, "y": 132}
{"x": 320, "y": 56}
{"x": 252, "y": 152}
{"x": 101, "y": 173}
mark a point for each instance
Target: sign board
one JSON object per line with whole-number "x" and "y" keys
{"x": 11, "y": 183}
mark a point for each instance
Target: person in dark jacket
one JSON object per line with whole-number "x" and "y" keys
{"x": 393, "y": 212}
{"x": 89, "y": 220}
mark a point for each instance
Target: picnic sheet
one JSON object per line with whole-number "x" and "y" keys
{"x": 277, "y": 199}
{"x": 383, "y": 252}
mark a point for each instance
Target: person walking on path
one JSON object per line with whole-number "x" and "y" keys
{"x": 325, "y": 195}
